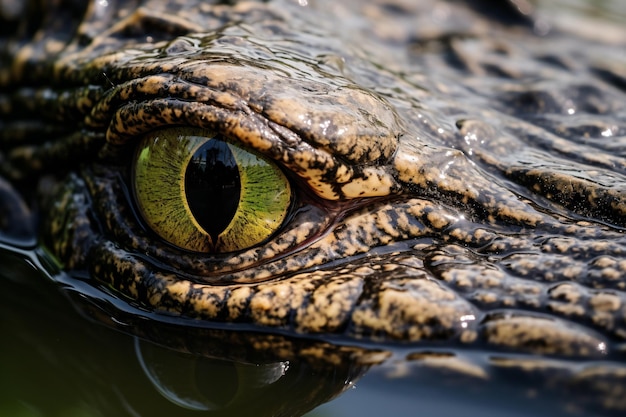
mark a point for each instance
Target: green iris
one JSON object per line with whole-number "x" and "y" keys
{"x": 202, "y": 192}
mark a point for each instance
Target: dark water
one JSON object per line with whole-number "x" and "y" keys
{"x": 69, "y": 349}
{"x": 63, "y": 354}
{"x": 59, "y": 359}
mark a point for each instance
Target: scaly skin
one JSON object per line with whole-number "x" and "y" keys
{"x": 464, "y": 182}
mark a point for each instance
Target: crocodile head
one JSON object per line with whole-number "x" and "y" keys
{"x": 426, "y": 184}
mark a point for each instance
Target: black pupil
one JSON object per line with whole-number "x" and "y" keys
{"x": 212, "y": 186}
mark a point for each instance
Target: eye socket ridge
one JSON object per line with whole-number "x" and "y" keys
{"x": 203, "y": 192}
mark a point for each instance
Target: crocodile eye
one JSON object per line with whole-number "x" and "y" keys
{"x": 202, "y": 192}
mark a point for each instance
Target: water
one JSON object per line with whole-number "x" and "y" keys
{"x": 58, "y": 359}
{"x": 63, "y": 354}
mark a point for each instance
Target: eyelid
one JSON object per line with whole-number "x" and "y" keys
{"x": 339, "y": 154}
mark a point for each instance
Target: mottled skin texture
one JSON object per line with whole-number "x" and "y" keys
{"x": 463, "y": 181}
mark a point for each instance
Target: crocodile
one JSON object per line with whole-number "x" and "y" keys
{"x": 434, "y": 171}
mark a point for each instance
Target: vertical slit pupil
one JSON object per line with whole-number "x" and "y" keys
{"x": 213, "y": 186}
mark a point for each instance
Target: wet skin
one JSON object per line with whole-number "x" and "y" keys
{"x": 461, "y": 181}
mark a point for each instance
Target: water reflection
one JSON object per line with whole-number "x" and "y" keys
{"x": 205, "y": 384}
{"x": 229, "y": 388}
{"x": 58, "y": 359}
